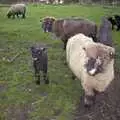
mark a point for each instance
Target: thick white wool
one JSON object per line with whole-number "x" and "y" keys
{"x": 76, "y": 59}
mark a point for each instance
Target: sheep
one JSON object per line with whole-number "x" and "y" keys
{"x": 68, "y": 27}
{"x": 92, "y": 63}
{"x": 105, "y": 33}
{"x": 40, "y": 63}
{"x": 47, "y": 23}
{"x": 112, "y": 21}
{"x": 16, "y": 9}
{"x": 115, "y": 21}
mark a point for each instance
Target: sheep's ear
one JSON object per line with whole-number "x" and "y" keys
{"x": 32, "y": 48}
{"x": 53, "y": 19}
{"x": 43, "y": 49}
{"x": 41, "y": 20}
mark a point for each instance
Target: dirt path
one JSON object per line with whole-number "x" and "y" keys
{"x": 107, "y": 106}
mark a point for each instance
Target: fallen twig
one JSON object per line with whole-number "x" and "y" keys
{"x": 12, "y": 59}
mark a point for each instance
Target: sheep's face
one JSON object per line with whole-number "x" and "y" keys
{"x": 9, "y": 14}
{"x": 47, "y": 24}
{"x": 37, "y": 52}
{"x": 93, "y": 66}
{"x": 117, "y": 17}
{"x": 112, "y": 21}
{"x": 98, "y": 59}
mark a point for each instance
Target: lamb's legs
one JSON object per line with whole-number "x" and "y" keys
{"x": 37, "y": 78}
{"x": 45, "y": 78}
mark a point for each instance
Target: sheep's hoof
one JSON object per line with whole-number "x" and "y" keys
{"x": 65, "y": 63}
{"x": 38, "y": 82}
{"x": 73, "y": 77}
{"x": 89, "y": 101}
{"x": 46, "y": 81}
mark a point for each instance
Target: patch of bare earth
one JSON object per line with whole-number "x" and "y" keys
{"x": 18, "y": 112}
{"x": 107, "y": 106}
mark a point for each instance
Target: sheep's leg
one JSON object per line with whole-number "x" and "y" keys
{"x": 118, "y": 27}
{"x": 112, "y": 27}
{"x": 89, "y": 100}
{"x": 64, "y": 46}
{"x": 65, "y": 43}
{"x": 37, "y": 78}
{"x": 73, "y": 76}
{"x": 64, "y": 38}
{"x": 89, "y": 97}
{"x": 45, "y": 77}
{"x": 17, "y": 14}
{"x": 23, "y": 15}
{"x": 13, "y": 16}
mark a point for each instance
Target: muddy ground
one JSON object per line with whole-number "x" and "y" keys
{"x": 107, "y": 106}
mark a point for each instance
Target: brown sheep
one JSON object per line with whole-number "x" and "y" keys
{"x": 66, "y": 28}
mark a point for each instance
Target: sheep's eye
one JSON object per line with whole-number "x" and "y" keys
{"x": 111, "y": 55}
{"x": 39, "y": 52}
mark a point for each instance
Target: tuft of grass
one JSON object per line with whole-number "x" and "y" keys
{"x": 19, "y": 95}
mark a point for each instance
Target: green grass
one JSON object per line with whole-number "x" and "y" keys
{"x": 19, "y": 95}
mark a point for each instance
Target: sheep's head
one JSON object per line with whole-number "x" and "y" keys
{"x": 37, "y": 52}
{"x": 117, "y": 17}
{"x": 9, "y": 14}
{"x": 99, "y": 57}
{"x": 47, "y": 24}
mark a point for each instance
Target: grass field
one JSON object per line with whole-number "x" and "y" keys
{"x": 20, "y": 97}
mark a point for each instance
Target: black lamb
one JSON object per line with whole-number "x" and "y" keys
{"x": 40, "y": 63}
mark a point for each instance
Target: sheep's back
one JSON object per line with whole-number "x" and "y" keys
{"x": 57, "y": 28}
{"x": 75, "y": 53}
{"x": 76, "y": 58}
{"x": 73, "y": 27}
{"x": 17, "y": 7}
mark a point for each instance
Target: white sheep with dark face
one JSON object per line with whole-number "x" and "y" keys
{"x": 16, "y": 9}
{"x": 92, "y": 63}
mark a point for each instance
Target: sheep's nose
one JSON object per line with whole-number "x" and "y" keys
{"x": 92, "y": 71}
{"x": 34, "y": 59}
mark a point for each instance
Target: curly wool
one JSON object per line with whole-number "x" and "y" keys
{"x": 77, "y": 58}
{"x": 16, "y": 9}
